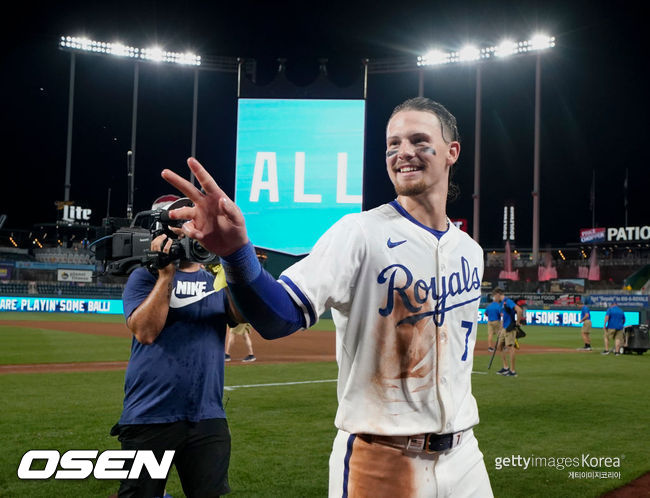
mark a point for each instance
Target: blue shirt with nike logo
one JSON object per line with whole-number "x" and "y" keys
{"x": 180, "y": 376}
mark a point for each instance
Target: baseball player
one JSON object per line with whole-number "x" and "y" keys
{"x": 404, "y": 285}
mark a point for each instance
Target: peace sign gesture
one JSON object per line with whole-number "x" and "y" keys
{"x": 214, "y": 221}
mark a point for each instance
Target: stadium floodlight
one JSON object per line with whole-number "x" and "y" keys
{"x": 471, "y": 53}
{"x": 541, "y": 42}
{"x": 433, "y": 57}
{"x": 155, "y": 54}
{"x": 506, "y": 48}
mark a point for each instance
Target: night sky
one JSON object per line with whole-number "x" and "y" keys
{"x": 594, "y": 101}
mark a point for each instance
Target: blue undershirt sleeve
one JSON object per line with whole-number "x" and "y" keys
{"x": 262, "y": 300}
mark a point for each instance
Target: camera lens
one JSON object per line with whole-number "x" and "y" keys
{"x": 198, "y": 251}
{"x": 200, "y": 254}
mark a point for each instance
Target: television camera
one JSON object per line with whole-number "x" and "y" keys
{"x": 129, "y": 247}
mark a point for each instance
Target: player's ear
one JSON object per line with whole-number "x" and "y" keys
{"x": 453, "y": 151}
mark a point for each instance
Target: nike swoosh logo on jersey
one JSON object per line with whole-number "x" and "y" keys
{"x": 392, "y": 244}
{"x": 181, "y": 302}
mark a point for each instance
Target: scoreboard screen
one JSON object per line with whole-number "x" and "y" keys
{"x": 299, "y": 168}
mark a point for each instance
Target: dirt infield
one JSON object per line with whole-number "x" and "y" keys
{"x": 636, "y": 489}
{"x": 112, "y": 329}
{"x": 304, "y": 346}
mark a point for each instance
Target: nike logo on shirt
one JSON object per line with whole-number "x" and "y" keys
{"x": 181, "y": 302}
{"x": 392, "y": 244}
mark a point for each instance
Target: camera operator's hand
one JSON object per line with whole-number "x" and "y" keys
{"x": 215, "y": 221}
{"x": 147, "y": 320}
{"x": 163, "y": 244}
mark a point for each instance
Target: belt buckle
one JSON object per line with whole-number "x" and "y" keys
{"x": 417, "y": 443}
{"x": 455, "y": 441}
{"x": 426, "y": 444}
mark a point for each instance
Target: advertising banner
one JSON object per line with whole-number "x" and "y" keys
{"x": 628, "y": 234}
{"x": 70, "y": 214}
{"x": 74, "y": 276}
{"x": 621, "y": 299}
{"x": 592, "y": 235}
{"x": 565, "y": 318}
{"x": 62, "y": 305}
{"x": 615, "y": 234}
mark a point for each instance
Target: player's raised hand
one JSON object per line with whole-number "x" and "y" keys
{"x": 214, "y": 221}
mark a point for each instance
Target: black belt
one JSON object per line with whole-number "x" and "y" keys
{"x": 428, "y": 443}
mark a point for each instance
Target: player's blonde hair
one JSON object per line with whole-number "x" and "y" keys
{"x": 447, "y": 119}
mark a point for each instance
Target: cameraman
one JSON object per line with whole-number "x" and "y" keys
{"x": 175, "y": 376}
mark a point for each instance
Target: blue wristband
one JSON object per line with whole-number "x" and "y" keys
{"x": 242, "y": 266}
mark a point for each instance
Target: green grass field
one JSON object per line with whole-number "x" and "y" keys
{"x": 562, "y": 405}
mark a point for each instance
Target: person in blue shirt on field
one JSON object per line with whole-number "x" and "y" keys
{"x": 614, "y": 324}
{"x": 585, "y": 319}
{"x": 493, "y": 313}
{"x": 174, "y": 382}
{"x": 512, "y": 315}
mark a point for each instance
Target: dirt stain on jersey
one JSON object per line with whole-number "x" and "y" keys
{"x": 406, "y": 351}
{"x": 373, "y": 471}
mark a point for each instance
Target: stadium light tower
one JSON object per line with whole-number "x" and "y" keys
{"x": 506, "y": 48}
{"x": 76, "y": 45}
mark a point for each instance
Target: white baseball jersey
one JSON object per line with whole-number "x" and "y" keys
{"x": 405, "y": 306}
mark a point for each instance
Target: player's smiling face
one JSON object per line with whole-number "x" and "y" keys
{"x": 417, "y": 156}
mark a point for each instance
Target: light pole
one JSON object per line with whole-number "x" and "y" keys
{"x": 477, "y": 157}
{"x": 538, "y": 43}
{"x": 134, "y": 112}
{"x": 538, "y": 105}
{"x": 68, "y": 149}
{"x": 195, "y": 110}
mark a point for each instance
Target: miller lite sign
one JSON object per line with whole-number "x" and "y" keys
{"x": 71, "y": 214}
